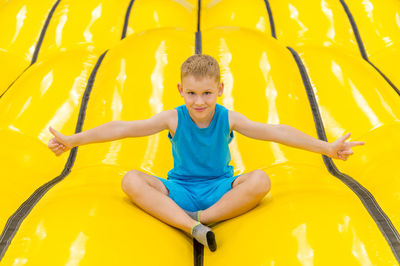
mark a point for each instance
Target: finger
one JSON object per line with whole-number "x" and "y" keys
{"x": 58, "y": 149}
{"x": 344, "y": 137}
{"x": 54, "y": 145}
{"x": 347, "y": 152}
{"x": 61, "y": 145}
{"x": 52, "y": 142}
{"x": 356, "y": 143}
{"x": 56, "y": 133}
{"x": 52, "y": 131}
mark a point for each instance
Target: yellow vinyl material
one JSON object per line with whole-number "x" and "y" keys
{"x": 306, "y": 212}
{"x": 15, "y": 67}
{"x": 379, "y": 25}
{"x": 49, "y": 93}
{"x": 22, "y": 23}
{"x": 2, "y": 3}
{"x": 90, "y": 25}
{"x": 234, "y": 13}
{"x": 368, "y": 108}
{"x": 309, "y": 217}
{"x": 313, "y": 22}
{"x": 152, "y": 14}
{"x": 389, "y": 67}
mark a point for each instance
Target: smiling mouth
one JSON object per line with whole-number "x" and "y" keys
{"x": 199, "y": 109}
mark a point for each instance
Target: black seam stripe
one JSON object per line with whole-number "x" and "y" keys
{"x": 355, "y": 30}
{"x": 198, "y": 14}
{"x": 198, "y": 42}
{"x": 14, "y": 81}
{"x": 128, "y": 12}
{"x": 386, "y": 78}
{"x": 271, "y": 18}
{"x": 198, "y": 253}
{"x": 43, "y": 32}
{"x": 16, "y": 219}
{"x": 382, "y": 221}
{"x": 198, "y": 249}
{"x": 361, "y": 44}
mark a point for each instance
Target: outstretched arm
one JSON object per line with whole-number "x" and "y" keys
{"x": 110, "y": 131}
{"x": 291, "y": 136}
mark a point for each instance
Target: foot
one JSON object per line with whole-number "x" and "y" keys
{"x": 205, "y": 236}
{"x": 211, "y": 243}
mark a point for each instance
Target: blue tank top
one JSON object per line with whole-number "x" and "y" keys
{"x": 201, "y": 153}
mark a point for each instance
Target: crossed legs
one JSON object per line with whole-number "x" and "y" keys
{"x": 150, "y": 194}
{"x": 247, "y": 191}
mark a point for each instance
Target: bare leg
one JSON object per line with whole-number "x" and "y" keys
{"x": 151, "y": 195}
{"x": 248, "y": 190}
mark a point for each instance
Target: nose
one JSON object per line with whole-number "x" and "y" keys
{"x": 199, "y": 100}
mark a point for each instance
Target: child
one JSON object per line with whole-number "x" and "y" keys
{"x": 201, "y": 188}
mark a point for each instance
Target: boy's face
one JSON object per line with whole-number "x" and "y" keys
{"x": 200, "y": 95}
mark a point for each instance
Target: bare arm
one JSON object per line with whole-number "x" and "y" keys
{"x": 115, "y": 130}
{"x": 283, "y": 134}
{"x": 110, "y": 131}
{"x": 287, "y": 135}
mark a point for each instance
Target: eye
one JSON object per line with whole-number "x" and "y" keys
{"x": 191, "y": 92}
{"x": 207, "y": 92}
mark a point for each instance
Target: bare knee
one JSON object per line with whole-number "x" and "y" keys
{"x": 260, "y": 182}
{"x": 132, "y": 183}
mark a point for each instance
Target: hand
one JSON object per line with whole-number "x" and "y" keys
{"x": 60, "y": 143}
{"x": 340, "y": 149}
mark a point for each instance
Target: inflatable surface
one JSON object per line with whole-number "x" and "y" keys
{"x": 324, "y": 67}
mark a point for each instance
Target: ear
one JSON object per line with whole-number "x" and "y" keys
{"x": 220, "y": 89}
{"x": 180, "y": 89}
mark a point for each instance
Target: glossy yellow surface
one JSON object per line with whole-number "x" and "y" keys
{"x": 379, "y": 25}
{"x": 309, "y": 218}
{"x": 152, "y": 14}
{"x": 90, "y": 25}
{"x": 325, "y": 23}
{"x": 389, "y": 67}
{"x": 11, "y": 70}
{"x": 49, "y": 93}
{"x": 3, "y": 2}
{"x": 22, "y": 22}
{"x": 313, "y": 22}
{"x": 292, "y": 222}
{"x": 252, "y": 16}
{"x": 375, "y": 117}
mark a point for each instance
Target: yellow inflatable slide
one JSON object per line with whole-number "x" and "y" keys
{"x": 324, "y": 67}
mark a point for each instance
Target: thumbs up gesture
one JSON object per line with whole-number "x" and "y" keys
{"x": 60, "y": 143}
{"x": 340, "y": 149}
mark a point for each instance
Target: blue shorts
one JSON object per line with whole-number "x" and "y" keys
{"x": 195, "y": 195}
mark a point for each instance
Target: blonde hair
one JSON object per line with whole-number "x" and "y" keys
{"x": 200, "y": 66}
